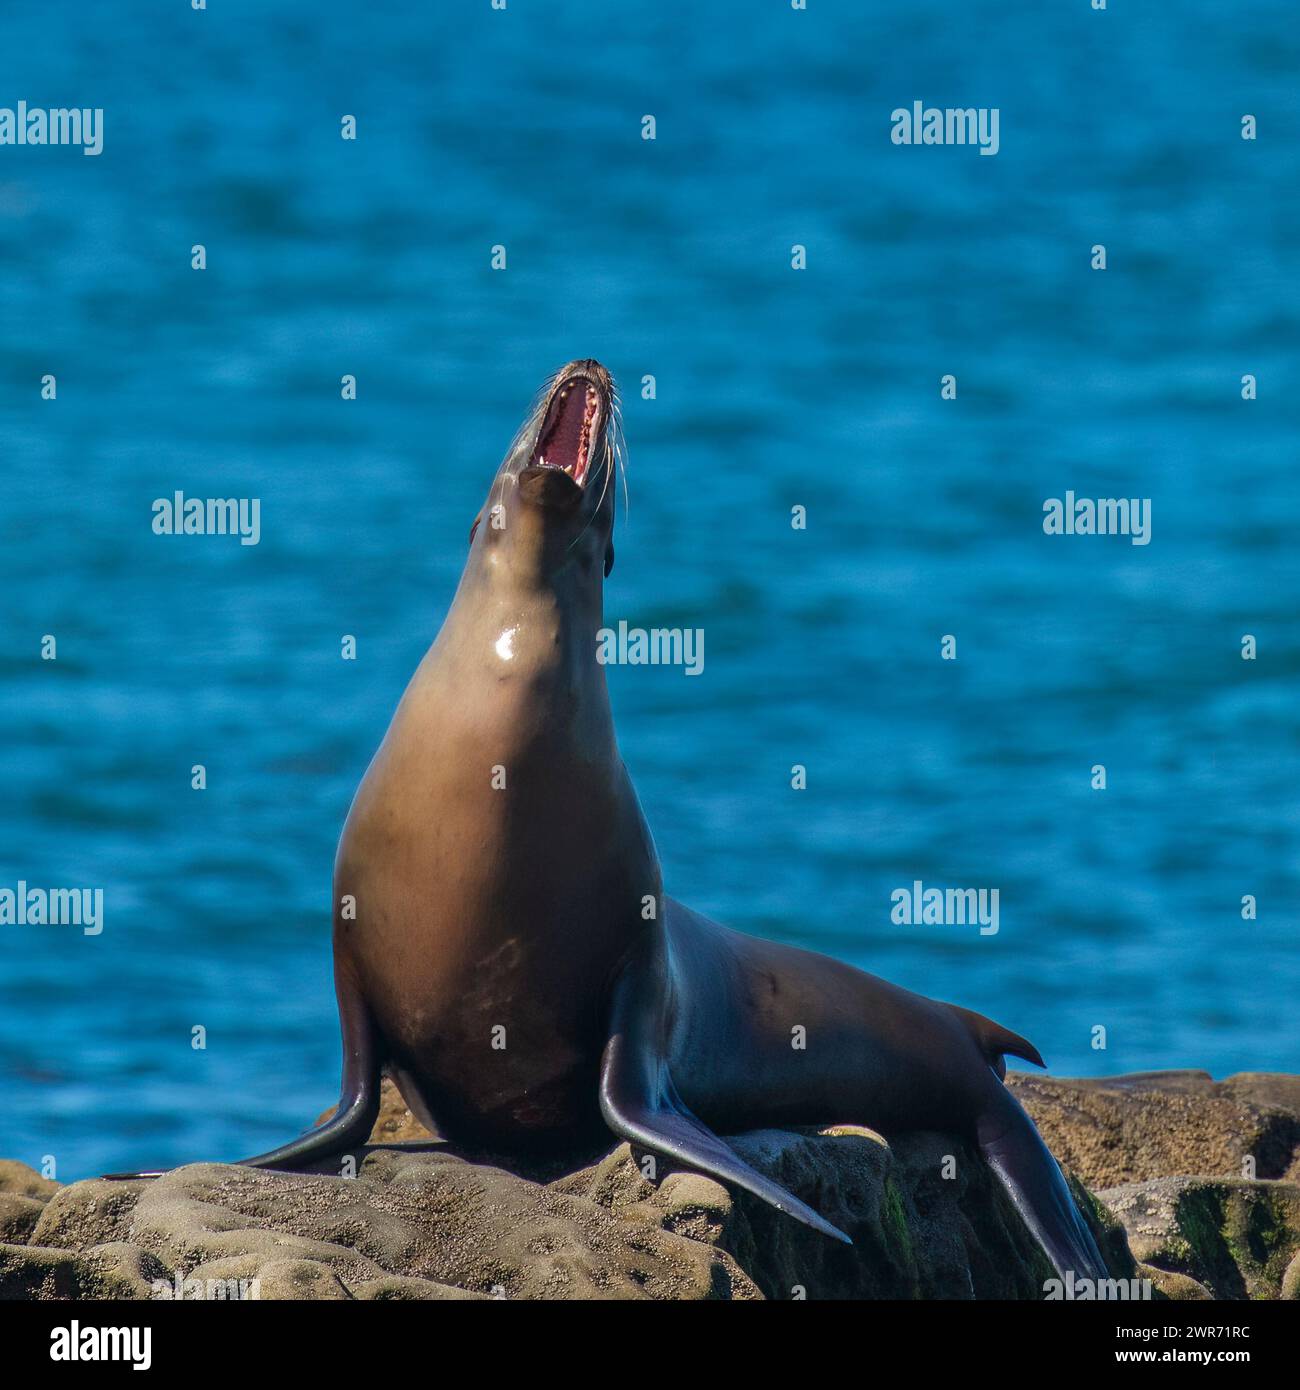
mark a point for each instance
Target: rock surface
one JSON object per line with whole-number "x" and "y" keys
{"x": 1203, "y": 1174}
{"x": 1124, "y": 1129}
{"x": 1235, "y": 1238}
{"x": 1164, "y": 1153}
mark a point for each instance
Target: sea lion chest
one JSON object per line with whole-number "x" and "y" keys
{"x": 489, "y": 881}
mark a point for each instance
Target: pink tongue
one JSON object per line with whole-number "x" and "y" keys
{"x": 560, "y": 447}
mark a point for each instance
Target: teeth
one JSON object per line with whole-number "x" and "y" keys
{"x": 591, "y": 407}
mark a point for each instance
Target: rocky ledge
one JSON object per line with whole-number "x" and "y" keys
{"x": 1190, "y": 1183}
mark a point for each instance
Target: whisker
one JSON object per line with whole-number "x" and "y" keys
{"x": 606, "y": 470}
{"x": 614, "y": 461}
{"x": 620, "y": 452}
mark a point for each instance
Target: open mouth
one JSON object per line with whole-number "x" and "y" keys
{"x": 567, "y": 433}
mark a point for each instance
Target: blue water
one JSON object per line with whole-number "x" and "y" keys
{"x": 1119, "y": 909}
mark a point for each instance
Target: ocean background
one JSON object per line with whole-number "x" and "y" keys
{"x": 1119, "y": 909}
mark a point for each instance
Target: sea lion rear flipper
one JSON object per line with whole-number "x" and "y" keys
{"x": 1015, "y": 1151}
{"x": 641, "y": 1104}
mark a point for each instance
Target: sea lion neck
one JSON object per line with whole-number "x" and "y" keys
{"x": 513, "y": 631}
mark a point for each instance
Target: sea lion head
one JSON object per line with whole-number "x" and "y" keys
{"x": 549, "y": 516}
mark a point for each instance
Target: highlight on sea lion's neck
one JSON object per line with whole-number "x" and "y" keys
{"x": 547, "y": 523}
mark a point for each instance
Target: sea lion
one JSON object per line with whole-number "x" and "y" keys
{"x": 502, "y": 943}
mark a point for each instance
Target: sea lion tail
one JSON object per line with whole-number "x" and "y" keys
{"x": 1015, "y": 1151}
{"x": 995, "y": 1041}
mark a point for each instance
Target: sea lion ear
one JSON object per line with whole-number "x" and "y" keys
{"x": 609, "y": 558}
{"x": 474, "y": 528}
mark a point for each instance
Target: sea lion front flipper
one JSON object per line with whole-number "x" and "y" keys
{"x": 641, "y": 1104}
{"x": 358, "y": 1108}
